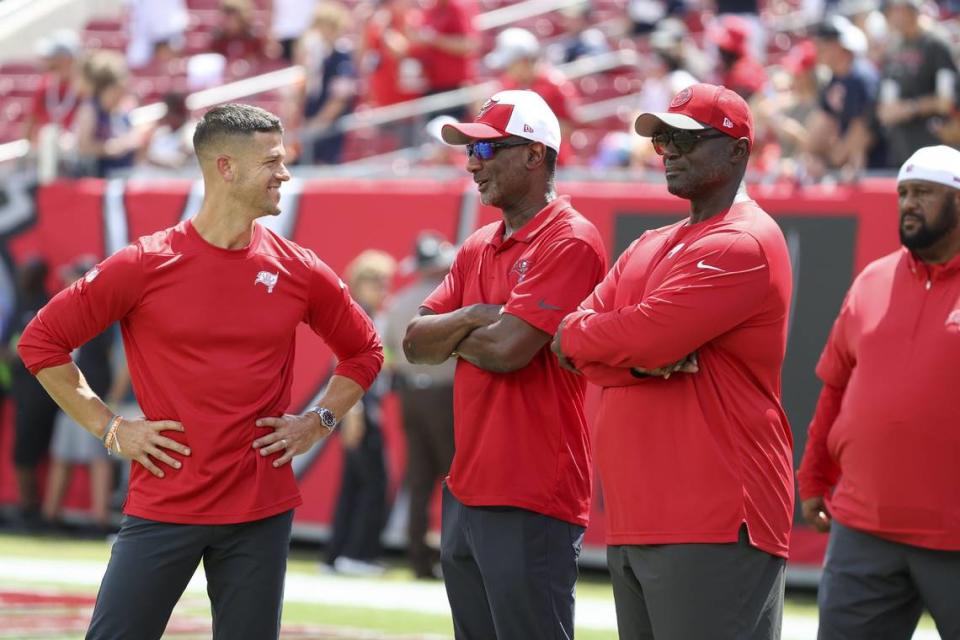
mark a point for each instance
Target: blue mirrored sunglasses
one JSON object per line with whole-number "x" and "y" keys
{"x": 485, "y": 150}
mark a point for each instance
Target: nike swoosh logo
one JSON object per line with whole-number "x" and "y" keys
{"x": 549, "y": 307}
{"x": 704, "y": 265}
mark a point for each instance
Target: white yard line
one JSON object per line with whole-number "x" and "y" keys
{"x": 421, "y": 597}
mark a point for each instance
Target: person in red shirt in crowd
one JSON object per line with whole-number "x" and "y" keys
{"x": 521, "y": 439}
{"x": 209, "y": 311}
{"x": 446, "y": 45}
{"x": 739, "y": 69}
{"x": 56, "y": 98}
{"x": 879, "y": 471}
{"x": 236, "y": 38}
{"x": 386, "y": 54}
{"x": 696, "y": 469}
{"x": 517, "y": 53}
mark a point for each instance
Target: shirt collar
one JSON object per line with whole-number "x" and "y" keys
{"x": 534, "y": 226}
{"x": 924, "y": 271}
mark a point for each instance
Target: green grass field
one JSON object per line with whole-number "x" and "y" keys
{"x": 363, "y": 617}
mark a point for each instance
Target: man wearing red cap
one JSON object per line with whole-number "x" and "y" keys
{"x": 739, "y": 69}
{"x": 696, "y": 466}
{"x": 518, "y": 495}
{"x": 879, "y": 471}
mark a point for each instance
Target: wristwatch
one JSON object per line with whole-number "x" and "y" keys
{"x": 326, "y": 416}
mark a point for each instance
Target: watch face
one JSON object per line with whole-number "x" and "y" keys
{"x": 327, "y": 418}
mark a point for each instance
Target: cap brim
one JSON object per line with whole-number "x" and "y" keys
{"x": 467, "y": 132}
{"x": 648, "y": 123}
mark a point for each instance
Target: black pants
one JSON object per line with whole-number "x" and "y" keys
{"x": 361, "y": 507}
{"x": 428, "y": 423}
{"x": 874, "y": 588}
{"x": 510, "y": 573}
{"x": 697, "y": 591}
{"x": 152, "y": 562}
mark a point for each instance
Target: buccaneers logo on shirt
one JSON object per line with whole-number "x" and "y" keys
{"x": 520, "y": 267}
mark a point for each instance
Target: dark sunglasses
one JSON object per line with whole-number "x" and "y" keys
{"x": 683, "y": 140}
{"x": 485, "y": 150}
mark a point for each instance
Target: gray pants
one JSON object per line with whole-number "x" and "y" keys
{"x": 874, "y": 588}
{"x": 510, "y": 573}
{"x": 152, "y": 562}
{"x": 693, "y": 591}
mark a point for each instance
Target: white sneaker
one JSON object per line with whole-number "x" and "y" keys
{"x": 360, "y": 568}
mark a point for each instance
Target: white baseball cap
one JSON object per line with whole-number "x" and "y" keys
{"x": 940, "y": 164}
{"x": 508, "y": 113}
{"x": 511, "y": 45}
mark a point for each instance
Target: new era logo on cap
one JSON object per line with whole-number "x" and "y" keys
{"x": 701, "y": 106}
{"x": 508, "y": 113}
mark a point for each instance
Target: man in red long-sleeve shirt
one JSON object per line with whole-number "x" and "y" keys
{"x": 880, "y": 469}
{"x": 696, "y": 468}
{"x": 208, "y": 311}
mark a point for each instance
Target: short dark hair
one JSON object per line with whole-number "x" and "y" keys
{"x": 233, "y": 119}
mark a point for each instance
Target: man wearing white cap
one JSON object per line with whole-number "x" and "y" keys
{"x": 517, "y": 497}
{"x": 880, "y": 467}
{"x": 696, "y": 466}
{"x": 518, "y": 56}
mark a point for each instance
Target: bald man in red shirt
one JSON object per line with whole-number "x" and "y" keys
{"x": 880, "y": 469}
{"x": 209, "y": 311}
{"x": 696, "y": 467}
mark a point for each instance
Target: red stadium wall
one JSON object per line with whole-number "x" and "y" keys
{"x": 832, "y": 234}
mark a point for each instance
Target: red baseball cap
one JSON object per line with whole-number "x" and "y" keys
{"x": 731, "y": 34}
{"x": 700, "y": 106}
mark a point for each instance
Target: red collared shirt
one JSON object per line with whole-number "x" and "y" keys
{"x": 690, "y": 458}
{"x": 893, "y": 353}
{"x": 521, "y": 437}
{"x": 209, "y": 337}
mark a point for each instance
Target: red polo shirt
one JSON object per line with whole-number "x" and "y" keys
{"x": 691, "y": 458}
{"x": 209, "y": 336}
{"x": 895, "y": 436}
{"x": 521, "y": 437}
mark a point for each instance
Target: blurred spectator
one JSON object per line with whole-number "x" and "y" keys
{"x": 34, "y": 410}
{"x": 519, "y": 58}
{"x": 918, "y": 86}
{"x": 866, "y": 15}
{"x": 426, "y": 399}
{"x": 155, "y": 29}
{"x": 739, "y": 70}
{"x": 236, "y": 38}
{"x": 438, "y": 153}
{"x": 106, "y": 140}
{"x": 71, "y": 443}
{"x": 289, "y": 20}
{"x": 170, "y": 144}
{"x": 645, "y": 15}
{"x": 665, "y": 76}
{"x": 782, "y": 113}
{"x": 580, "y": 38}
{"x": 446, "y": 45}
{"x": 385, "y": 54}
{"x": 330, "y": 88}
{"x": 56, "y": 98}
{"x": 841, "y": 131}
{"x": 362, "y": 505}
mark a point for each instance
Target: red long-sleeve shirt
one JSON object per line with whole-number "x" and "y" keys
{"x": 690, "y": 458}
{"x": 209, "y": 335}
{"x": 888, "y": 422}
